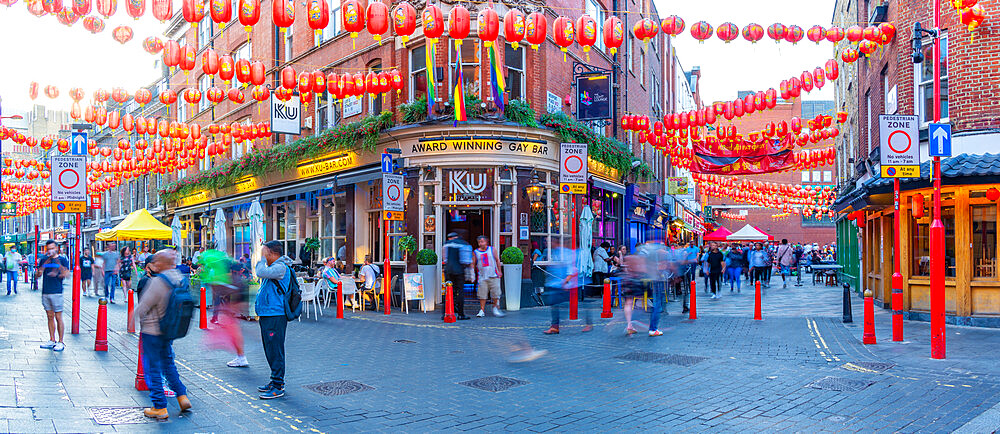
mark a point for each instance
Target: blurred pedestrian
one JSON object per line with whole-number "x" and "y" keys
{"x": 562, "y": 276}
{"x": 716, "y": 266}
{"x": 634, "y": 270}
{"x": 232, "y": 304}
{"x": 602, "y": 264}
{"x": 112, "y": 263}
{"x": 158, "y": 352}
{"x": 489, "y": 274}
{"x": 11, "y": 262}
{"x": 275, "y": 273}
{"x": 758, "y": 261}
{"x": 53, "y": 269}
{"x": 127, "y": 269}
{"x": 86, "y": 272}
{"x": 734, "y": 267}
{"x": 457, "y": 258}
{"x": 786, "y": 258}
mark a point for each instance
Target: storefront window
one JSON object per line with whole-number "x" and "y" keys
{"x": 984, "y": 241}
{"x": 333, "y": 227}
{"x": 605, "y": 217}
{"x": 286, "y": 226}
{"x": 920, "y": 231}
{"x": 430, "y": 217}
{"x": 507, "y": 219}
{"x": 547, "y": 221}
{"x": 241, "y": 241}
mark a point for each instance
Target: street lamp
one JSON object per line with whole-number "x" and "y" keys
{"x": 534, "y": 192}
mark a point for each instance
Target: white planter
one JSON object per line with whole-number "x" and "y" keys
{"x": 512, "y": 286}
{"x": 432, "y": 288}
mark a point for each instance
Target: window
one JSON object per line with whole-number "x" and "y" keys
{"x": 238, "y": 149}
{"x": 628, "y": 53}
{"x": 640, "y": 66}
{"x": 868, "y": 98}
{"x": 920, "y": 233}
{"x": 286, "y": 226}
{"x": 548, "y": 221}
{"x": 288, "y": 43}
{"x": 375, "y": 104}
{"x": 205, "y": 31}
{"x": 182, "y": 110}
{"x": 243, "y": 52}
{"x": 827, "y": 176}
{"x": 418, "y": 73}
{"x": 333, "y": 226}
{"x": 236, "y": 10}
{"x": 805, "y": 176}
{"x": 514, "y": 62}
{"x": 205, "y": 163}
{"x": 984, "y": 240}
{"x": 333, "y": 28}
{"x": 204, "y": 83}
{"x": 470, "y": 68}
{"x": 924, "y": 79}
{"x": 654, "y": 93}
{"x": 597, "y": 13}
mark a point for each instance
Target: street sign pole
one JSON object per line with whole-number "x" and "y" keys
{"x": 393, "y": 205}
{"x": 75, "y": 329}
{"x": 897, "y": 278}
{"x": 937, "y": 227}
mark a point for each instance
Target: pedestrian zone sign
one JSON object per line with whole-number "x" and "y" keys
{"x": 900, "y": 146}
{"x": 69, "y": 183}
{"x": 573, "y": 168}
{"x": 392, "y": 196}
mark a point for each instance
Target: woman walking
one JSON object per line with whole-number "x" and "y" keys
{"x": 633, "y": 270}
{"x": 716, "y": 265}
{"x": 127, "y": 268}
{"x": 734, "y": 268}
{"x": 86, "y": 271}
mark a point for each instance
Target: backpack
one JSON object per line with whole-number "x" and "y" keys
{"x": 293, "y": 296}
{"x": 180, "y": 309}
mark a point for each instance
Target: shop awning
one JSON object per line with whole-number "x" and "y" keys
{"x": 608, "y": 185}
{"x": 748, "y": 233}
{"x": 139, "y": 225}
{"x": 720, "y": 234}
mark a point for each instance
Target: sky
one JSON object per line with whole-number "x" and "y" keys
{"x": 740, "y": 65}
{"x": 42, "y": 49}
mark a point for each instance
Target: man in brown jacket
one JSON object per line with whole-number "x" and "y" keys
{"x": 158, "y": 353}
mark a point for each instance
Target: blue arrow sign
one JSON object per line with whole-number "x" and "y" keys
{"x": 386, "y": 163}
{"x": 940, "y": 140}
{"x": 78, "y": 142}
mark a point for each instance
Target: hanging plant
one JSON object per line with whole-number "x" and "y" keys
{"x": 521, "y": 113}
{"x": 605, "y": 150}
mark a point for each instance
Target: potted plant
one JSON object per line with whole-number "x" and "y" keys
{"x": 312, "y": 246}
{"x": 408, "y": 245}
{"x": 512, "y": 259}
{"x": 427, "y": 262}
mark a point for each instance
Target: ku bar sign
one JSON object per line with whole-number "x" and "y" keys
{"x": 900, "y": 146}
{"x": 573, "y": 168}
{"x": 286, "y": 116}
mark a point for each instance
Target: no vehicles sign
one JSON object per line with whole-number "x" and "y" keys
{"x": 900, "y": 146}
{"x": 573, "y": 168}
{"x": 69, "y": 183}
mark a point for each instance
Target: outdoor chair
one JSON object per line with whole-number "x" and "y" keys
{"x": 309, "y": 299}
{"x": 349, "y": 287}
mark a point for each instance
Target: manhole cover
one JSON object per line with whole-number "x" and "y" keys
{"x": 875, "y": 366}
{"x": 118, "y": 415}
{"x": 404, "y": 341}
{"x": 339, "y": 387}
{"x": 669, "y": 359}
{"x": 839, "y": 384}
{"x": 494, "y": 383}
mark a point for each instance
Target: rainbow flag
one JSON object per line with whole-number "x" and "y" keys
{"x": 459, "y": 91}
{"x": 429, "y": 64}
{"x": 496, "y": 77}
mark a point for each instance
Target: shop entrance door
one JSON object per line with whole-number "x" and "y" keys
{"x": 470, "y": 223}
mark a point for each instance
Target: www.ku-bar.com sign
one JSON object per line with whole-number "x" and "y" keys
{"x": 286, "y": 116}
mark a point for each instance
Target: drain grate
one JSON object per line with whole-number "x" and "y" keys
{"x": 339, "y": 387}
{"x": 404, "y": 341}
{"x": 875, "y": 366}
{"x": 494, "y": 383}
{"x": 118, "y": 415}
{"x": 838, "y": 384}
{"x": 664, "y": 358}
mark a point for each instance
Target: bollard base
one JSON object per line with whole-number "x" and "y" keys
{"x": 450, "y": 318}
{"x": 101, "y": 346}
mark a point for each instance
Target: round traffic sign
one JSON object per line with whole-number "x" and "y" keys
{"x": 891, "y": 171}
{"x": 393, "y": 192}
{"x": 61, "y": 206}
{"x": 902, "y": 143}
{"x": 69, "y": 179}
{"x": 573, "y": 164}
{"x": 565, "y": 188}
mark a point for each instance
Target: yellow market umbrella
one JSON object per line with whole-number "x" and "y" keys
{"x": 139, "y": 225}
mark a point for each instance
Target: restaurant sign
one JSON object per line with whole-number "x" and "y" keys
{"x": 326, "y": 164}
{"x": 245, "y": 184}
{"x": 469, "y": 185}
{"x": 8, "y": 209}
{"x": 492, "y": 145}
{"x": 193, "y": 199}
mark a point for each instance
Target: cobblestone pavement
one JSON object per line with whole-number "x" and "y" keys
{"x": 800, "y": 369}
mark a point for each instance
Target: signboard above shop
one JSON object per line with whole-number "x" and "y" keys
{"x": 286, "y": 116}
{"x": 593, "y": 99}
{"x": 453, "y": 146}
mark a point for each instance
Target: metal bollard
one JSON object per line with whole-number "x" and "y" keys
{"x": 449, "y": 304}
{"x": 574, "y": 303}
{"x": 340, "y": 300}
{"x": 868, "y": 337}
{"x": 606, "y": 310}
{"x": 756, "y": 301}
{"x": 131, "y": 308}
{"x": 203, "y": 318}
{"x": 140, "y": 377}
{"x": 101, "y": 341}
{"x": 693, "y": 309}
{"x": 848, "y": 315}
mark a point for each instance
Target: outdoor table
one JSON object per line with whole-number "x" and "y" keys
{"x": 836, "y": 268}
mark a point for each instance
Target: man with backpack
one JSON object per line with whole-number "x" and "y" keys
{"x": 164, "y": 314}
{"x": 277, "y": 283}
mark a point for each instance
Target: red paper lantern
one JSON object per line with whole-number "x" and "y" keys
{"x": 458, "y": 24}
{"x": 867, "y": 47}
{"x": 819, "y": 79}
{"x": 872, "y": 33}
{"x": 210, "y": 62}
{"x": 753, "y": 32}
{"x": 776, "y": 32}
{"x": 835, "y": 34}
{"x": 80, "y": 7}
{"x": 188, "y": 57}
{"x": 93, "y": 24}
{"x": 396, "y": 80}
{"x": 727, "y": 32}
{"x": 849, "y": 55}
{"x": 249, "y": 13}
{"x": 257, "y": 73}
{"x": 888, "y": 31}
{"x": 192, "y": 95}
{"x": 377, "y": 19}
{"x": 318, "y": 81}
{"x": 236, "y": 95}
{"x": 433, "y": 23}
{"x": 152, "y": 45}
{"x": 614, "y": 33}
{"x": 107, "y": 7}
{"x": 586, "y": 33}
{"x": 563, "y": 33}
{"x": 143, "y": 96}
{"x": 192, "y": 10}
{"x": 794, "y": 34}
{"x": 855, "y": 33}
{"x": 288, "y": 78}
{"x": 221, "y": 12}
{"x": 806, "y": 79}
{"x": 513, "y": 27}
{"x": 215, "y": 95}
{"x": 304, "y": 82}
{"x": 816, "y": 34}
{"x": 672, "y": 25}
{"x": 122, "y": 34}
{"x": 489, "y": 26}
{"x": 404, "y": 20}
{"x": 135, "y": 8}
{"x": 917, "y": 205}
{"x": 168, "y": 97}
{"x": 318, "y": 16}
{"x": 260, "y": 93}
{"x": 701, "y": 31}
{"x": 283, "y": 13}
{"x": 119, "y": 95}
{"x": 535, "y": 29}
{"x": 243, "y": 71}
{"x": 833, "y": 69}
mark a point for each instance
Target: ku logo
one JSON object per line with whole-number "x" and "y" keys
{"x": 463, "y": 182}
{"x": 282, "y": 111}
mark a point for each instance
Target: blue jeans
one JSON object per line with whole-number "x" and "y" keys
{"x": 735, "y": 275}
{"x": 110, "y": 284}
{"x": 659, "y": 305}
{"x": 158, "y": 362}
{"x": 11, "y": 280}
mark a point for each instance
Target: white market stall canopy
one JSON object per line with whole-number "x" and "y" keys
{"x": 747, "y": 233}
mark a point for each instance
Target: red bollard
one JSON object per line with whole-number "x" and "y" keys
{"x": 573, "y": 303}
{"x": 897, "y": 307}
{"x": 131, "y": 306}
{"x": 606, "y": 311}
{"x": 693, "y": 309}
{"x": 340, "y": 300}
{"x": 449, "y": 304}
{"x": 203, "y": 320}
{"x": 756, "y": 301}
{"x": 101, "y": 341}
{"x": 868, "y": 337}
{"x": 140, "y": 377}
